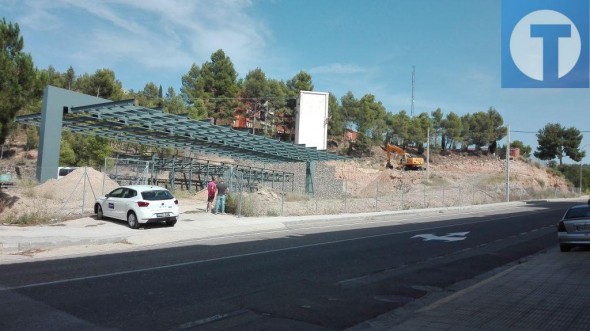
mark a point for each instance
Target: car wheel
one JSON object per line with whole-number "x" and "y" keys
{"x": 171, "y": 222}
{"x": 564, "y": 248}
{"x": 132, "y": 220}
{"x": 99, "y": 214}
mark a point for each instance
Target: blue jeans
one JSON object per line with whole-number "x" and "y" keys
{"x": 220, "y": 201}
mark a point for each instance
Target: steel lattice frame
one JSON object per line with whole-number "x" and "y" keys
{"x": 124, "y": 121}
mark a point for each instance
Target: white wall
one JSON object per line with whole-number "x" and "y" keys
{"x": 311, "y": 126}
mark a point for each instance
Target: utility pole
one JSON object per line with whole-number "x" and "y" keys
{"x": 427, "y": 154}
{"x": 580, "y": 177}
{"x": 581, "y": 166}
{"x": 508, "y": 165}
{"x": 413, "y": 83}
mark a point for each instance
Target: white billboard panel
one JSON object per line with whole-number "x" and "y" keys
{"x": 311, "y": 126}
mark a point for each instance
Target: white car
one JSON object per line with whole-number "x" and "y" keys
{"x": 64, "y": 171}
{"x": 138, "y": 204}
{"x": 574, "y": 227}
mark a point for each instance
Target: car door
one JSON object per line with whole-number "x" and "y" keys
{"x": 124, "y": 203}
{"x": 112, "y": 205}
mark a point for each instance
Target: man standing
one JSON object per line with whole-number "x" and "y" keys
{"x": 221, "y": 193}
{"x": 211, "y": 189}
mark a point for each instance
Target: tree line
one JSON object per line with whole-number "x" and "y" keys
{"x": 214, "y": 90}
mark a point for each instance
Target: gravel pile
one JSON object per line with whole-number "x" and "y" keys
{"x": 57, "y": 199}
{"x": 81, "y": 184}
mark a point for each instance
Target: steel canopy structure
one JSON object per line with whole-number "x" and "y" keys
{"x": 125, "y": 121}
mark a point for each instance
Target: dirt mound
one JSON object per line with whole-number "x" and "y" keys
{"x": 56, "y": 198}
{"x": 368, "y": 176}
{"x": 82, "y": 183}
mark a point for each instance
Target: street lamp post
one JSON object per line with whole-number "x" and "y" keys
{"x": 507, "y": 193}
{"x": 581, "y": 165}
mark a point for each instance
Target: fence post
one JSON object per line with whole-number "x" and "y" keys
{"x": 345, "y": 194}
{"x": 104, "y": 174}
{"x": 444, "y": 204}
{"x": 376, "y": 195}
{"x": 402, "y": 191}
{"x": 315, "y": 197}
{"x": 240, "y": 186}
{"x": 84, "y": 192}
{"x": 282, "y": 195}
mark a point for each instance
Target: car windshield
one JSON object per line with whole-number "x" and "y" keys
{"x": 583, "y": 211}
{"x": 156, "y": 195}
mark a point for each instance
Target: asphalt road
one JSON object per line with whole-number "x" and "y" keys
{"x": 314, "y": 276}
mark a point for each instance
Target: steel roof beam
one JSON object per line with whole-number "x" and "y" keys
{"x": 124, "y": 121}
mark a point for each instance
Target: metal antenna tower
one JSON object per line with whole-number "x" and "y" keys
{"x": 413, "y": 83}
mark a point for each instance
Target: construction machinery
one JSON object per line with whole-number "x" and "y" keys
{"x": 406, "y": 161}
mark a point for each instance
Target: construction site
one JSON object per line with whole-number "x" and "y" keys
{"x": 358, "y": 185}
{"x": 266, "y": 177}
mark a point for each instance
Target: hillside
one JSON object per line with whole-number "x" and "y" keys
{"x": 455, "y": 179}
{"x": 465, "y": 169}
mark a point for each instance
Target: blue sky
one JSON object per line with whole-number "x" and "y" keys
{"x": 366, "y": 46}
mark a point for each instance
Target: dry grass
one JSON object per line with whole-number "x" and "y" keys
{"x": 290, "y": 196}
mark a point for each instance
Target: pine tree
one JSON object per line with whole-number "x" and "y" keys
{"x": 17, "y": 76}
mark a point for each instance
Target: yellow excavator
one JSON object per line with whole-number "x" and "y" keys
{"x": 406, "y": 161}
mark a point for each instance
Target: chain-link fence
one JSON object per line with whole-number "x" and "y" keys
{"x": 243, "y": 193}
{"x": 355, "y": 191}
{"x": 74, "y": 195}
{"x": 282, "y": 190}
{"x": 128, "y": 171}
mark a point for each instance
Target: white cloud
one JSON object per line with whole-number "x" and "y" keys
{"x": 338, "y": 69}
{"x": 167, "y": 35}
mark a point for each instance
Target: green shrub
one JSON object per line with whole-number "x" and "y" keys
{"x": 248, "y": 205}
{"x": 32, "y": 218}
{"x": 183, "y": 194}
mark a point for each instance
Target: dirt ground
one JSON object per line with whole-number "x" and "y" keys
{"x": 452, "y": 180}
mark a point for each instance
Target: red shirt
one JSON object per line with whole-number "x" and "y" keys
{"x": 211, "y": 188}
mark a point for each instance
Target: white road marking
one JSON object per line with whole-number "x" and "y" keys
{"x": 450, "y": 237}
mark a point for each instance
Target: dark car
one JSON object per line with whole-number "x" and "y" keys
{"x": 574, "y": 227}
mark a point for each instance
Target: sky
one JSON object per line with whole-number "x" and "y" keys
{"x": 361, "y": 46}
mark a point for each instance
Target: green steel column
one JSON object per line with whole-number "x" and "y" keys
{"x": 309, "y": 176}
{"x": 55, "y": 102}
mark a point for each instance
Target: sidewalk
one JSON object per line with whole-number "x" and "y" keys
{"x": 549, "y": 291}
